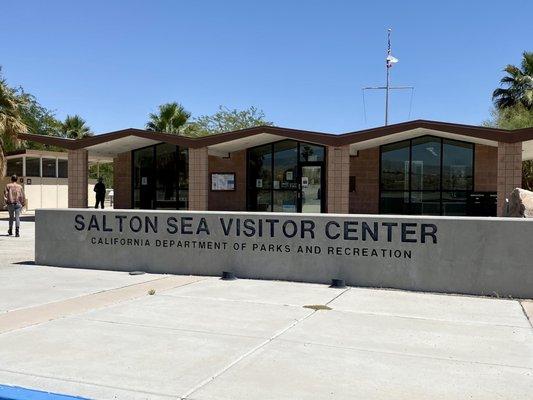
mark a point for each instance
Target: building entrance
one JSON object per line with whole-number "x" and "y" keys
{"x": 286, "y": 176}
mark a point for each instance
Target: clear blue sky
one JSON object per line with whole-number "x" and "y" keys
{"x": 303, "y": 62}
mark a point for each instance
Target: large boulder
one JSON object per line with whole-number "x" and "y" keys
{"x": 521, "y": 203}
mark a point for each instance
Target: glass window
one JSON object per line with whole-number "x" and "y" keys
{"x": 454, "y": 203}
{"x": 285, "y": 201}
{"x": 395, "y": 166}
{"x": 160, "y": 177}
{"x": 274, "y": 180}
{"x": 143, "y": 162}
{"x": 49, "y": 167}
{"x": 425, "y": 203}
{"x": 183, "y": 168}
{"x": 285, "y": 165}
{"x": 263, "y": 200}
{"x": 420, "y": 191}
{"x": 260, "y": 166}
{"x": 309, "y": 152}
{"x": 457, "y": 162}
{"x": 33, "y": 166}
{"x": 14, "y": 167}
{"x": 394, "y": 202}
{"x": 62, "y": 168}
{"x": 166, "y": 189}
{"x": 425, "y": 163}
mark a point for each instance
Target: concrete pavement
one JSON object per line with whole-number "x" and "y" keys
{"x": 203, "y": 338}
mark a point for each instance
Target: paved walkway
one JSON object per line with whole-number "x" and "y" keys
{"x": 99, "y": 334}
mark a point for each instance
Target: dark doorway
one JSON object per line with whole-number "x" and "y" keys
{"x": 160, "y": 177}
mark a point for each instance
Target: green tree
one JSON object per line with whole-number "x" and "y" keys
{"x": 515, "y": 117}
{"x": 75, "y": 127}
{"x": 519, "y": 85}
{"x": 171, "y": 118}
{"x": 227, "y": 120}
{"x": 11, "y": 122}
{"x": 105, "y": 171}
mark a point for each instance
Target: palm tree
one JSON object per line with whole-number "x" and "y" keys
{"x": 75, "y": 127}
{"x": 172, "y": 118}
{"x": 519, "y": 82}
{"x": 11, "y": 123}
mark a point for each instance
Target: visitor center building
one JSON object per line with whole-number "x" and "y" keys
{"x": 414, "y": 168}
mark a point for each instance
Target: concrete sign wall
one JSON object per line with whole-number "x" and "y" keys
{"x": 443, "y": 254}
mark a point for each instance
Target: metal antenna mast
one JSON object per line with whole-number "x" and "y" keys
{"x": 390, "y": 60}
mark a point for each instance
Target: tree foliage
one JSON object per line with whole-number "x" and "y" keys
{"x": 11, "y": 122}
{"x": 171, "y": 118}
{"x": 519, "y": 85}
{"x": 515, "y": 117}
{"x": 227, "y": 120}
{"x": 75, "y": 127}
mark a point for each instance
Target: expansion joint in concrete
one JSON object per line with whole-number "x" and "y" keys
{"x": 255, "y": 349}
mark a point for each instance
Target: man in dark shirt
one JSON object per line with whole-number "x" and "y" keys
{"x": 99, "y": 189}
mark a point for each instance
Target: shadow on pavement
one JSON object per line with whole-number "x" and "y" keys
{"x": 25, "y": 263}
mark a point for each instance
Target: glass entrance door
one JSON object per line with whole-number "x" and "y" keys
{"x": 286, "y": 176}
{"x": 311, "y": 189}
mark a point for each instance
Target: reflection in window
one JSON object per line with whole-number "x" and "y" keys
{"x": 457, "y": 165}
{"x": 183, "y": 179}
{"x": 395, "y": 202}
{"x": 14, "y": 167}
{"x": 62, "y": 168}
{"x": 33, "y": 166}
{"x": 49, "y": 167}
{"x": 412, "y": 181}
{"x": 285, "y": 165}
{"x": 273, "y": 174}
{"x": 309, "y": 152}
{"x": 165, "y": 179}
{"x": 395, "y": 166}
{"x": 285, "y": 200}
{"x": 143, "y": 161}
{"x": 425, "y": 163}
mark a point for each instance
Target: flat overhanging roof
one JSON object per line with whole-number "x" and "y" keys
{"x": 112, "y": 143}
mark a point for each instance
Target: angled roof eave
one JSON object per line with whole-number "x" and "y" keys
{"x": 110, "y": 136}
{"x": 493, "y": 134}
{"x": 49, "y": 140}
{"x": 306, "y": 136}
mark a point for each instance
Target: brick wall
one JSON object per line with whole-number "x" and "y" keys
{"x": 338, "y": 175}
{"x": 78, "y": 178}
{"x": 365, "y": 168}
{"x": 509, "y": 171}
{"x": 198, "y": 179}
{"x": 122, "y": 182}
{"x": 485, "y": 168}
{"x": 233, "y": 200}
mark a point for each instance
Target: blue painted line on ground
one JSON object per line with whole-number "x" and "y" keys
{"x": 20, "y": 393}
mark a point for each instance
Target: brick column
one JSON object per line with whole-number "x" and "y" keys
{"x": 198, "y": 179}
{"x": 122, "y": 180}
{"x": 509, "y": 172}
{"x": 78, "y": 178}
{"x": 338, "y": 177}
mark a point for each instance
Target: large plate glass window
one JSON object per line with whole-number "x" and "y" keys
{"x": 426, "y": 175}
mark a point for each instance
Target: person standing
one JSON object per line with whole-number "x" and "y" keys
{"x": 15, "y": 200}
{"x": 99, "y": 188}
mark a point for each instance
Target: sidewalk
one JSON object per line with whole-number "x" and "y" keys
{"x": 99, "y": 334}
